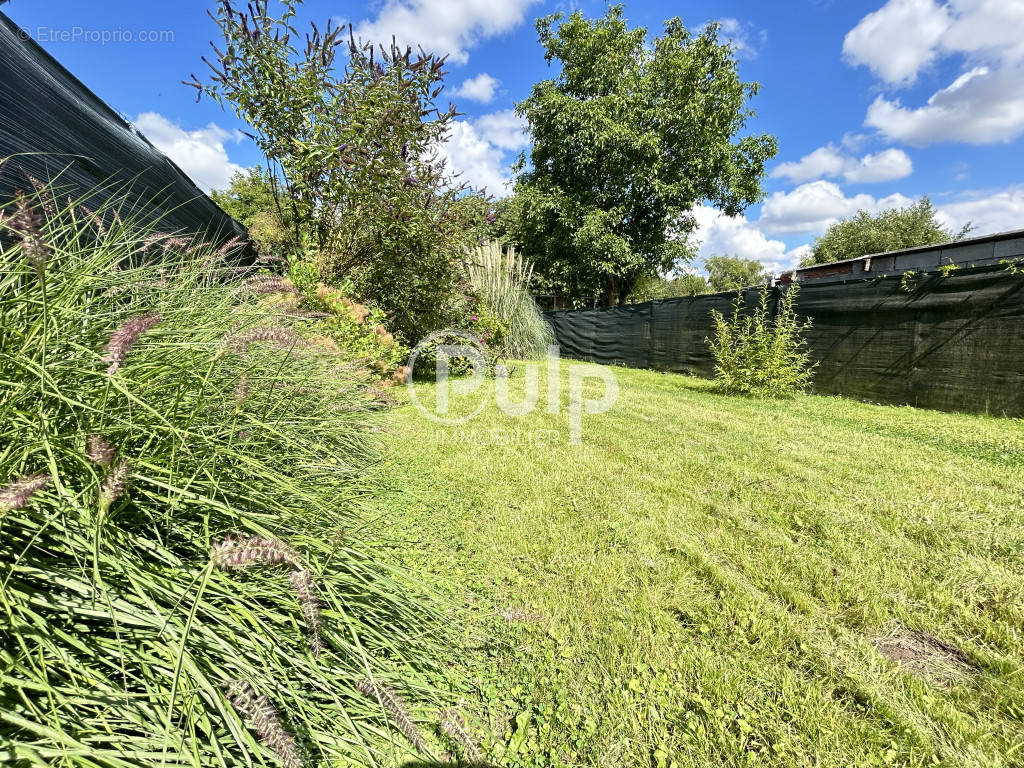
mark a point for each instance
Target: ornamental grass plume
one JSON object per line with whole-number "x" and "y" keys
{"x": 234, "y": 244}
{"x": 392, "y": 702}
{"x": 165, "y": 240}
{"x": 232, "y": 554}
{"x": 262, "y": 284}
{"x": 305, "y": 591}
{"x": 282, "y": 338}
{"x": 264, "y": 721}
{"x": 27, "y": 223}
{"x": 115, "y": 484}
{"x": 242, "y": 390}
{"x": 20, "y": 492}
{"x": 45, "y": 196}
{"x": 99, "y": 451}
{"x": 95, "y": 219}
{"x": 453, "y": 726}
{"x": 125, "y": 337}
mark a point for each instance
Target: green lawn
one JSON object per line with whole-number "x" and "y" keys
{"x": 709, "y": 580}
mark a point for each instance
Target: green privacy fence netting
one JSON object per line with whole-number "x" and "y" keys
{"x": 951, "y": 342}
{"x": 60, "y": 131}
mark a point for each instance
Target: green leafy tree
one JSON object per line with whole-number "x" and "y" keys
{"x": 890, "y": 230}
{"x": 730, "y": 273}
{"x": 351, "y": 141}
{"x": 250, "y": 198}
{"x": 653, "y": 287}
{"x": 627, "y": 139}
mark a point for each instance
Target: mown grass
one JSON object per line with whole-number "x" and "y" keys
{"x": 705, "y": 580}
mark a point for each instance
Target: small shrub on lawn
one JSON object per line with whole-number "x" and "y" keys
{"x": 178, "y": 472}
{"x": 458, "y": 364}
{"x": 758, "y": 355}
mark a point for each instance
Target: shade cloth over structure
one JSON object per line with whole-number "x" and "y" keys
{"x": 73, "y": 138}
{"x": 951, "y": 342}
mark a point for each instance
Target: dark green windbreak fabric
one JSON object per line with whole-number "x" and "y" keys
{"x": 80, "y": 143}
{"x": 951, "y": 343}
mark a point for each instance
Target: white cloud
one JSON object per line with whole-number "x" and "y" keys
{"x": 445, "y": 27}
{"x": 887, "y": 165}
{"x": 737, "y": 236}
{"x": 476, "y": 161}
{"x": 200, "y": 153}
{"x": 985, "y": 104}
{"x": 830, "y": 162}
{"x": 504, "y": 129}
{"x": 478, "y": 149}
{"x": 747, "y": 40}
{"x": 982, "y": 106}
{"x": 988, "y": 28}
{"x": 824, "y": 161}
{"x": 898, "y": 40}
{"x": 990, "y": 211}
{"x": 480, "y": 88}
{"x": 811, "y": 208}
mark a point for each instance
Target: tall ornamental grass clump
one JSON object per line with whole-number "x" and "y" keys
{"x": 179, "y": 482}
{"x": 501, "y": 279}
{"x": 760, "y": 355}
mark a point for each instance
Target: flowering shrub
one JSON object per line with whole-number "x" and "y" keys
{"x": 350, "y": 132}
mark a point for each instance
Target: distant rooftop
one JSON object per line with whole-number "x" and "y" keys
{"x": 971, "y": 251}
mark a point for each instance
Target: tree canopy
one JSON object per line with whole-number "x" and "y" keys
{"x": 651, "y": 287}
{"x": 890, "y": 230}
{"x": 250, "y": 199}
{"x": 730, "y": 273}
{"x": 627, "y": 139}
{"x": 350, "y": 133}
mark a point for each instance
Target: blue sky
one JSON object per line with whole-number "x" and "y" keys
{"x": 874, "y": 103}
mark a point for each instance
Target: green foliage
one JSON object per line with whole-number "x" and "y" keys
{"x": 358, "y": 331}
{"x": 166, "y": 412}
{"x": 630, "y": 136}
{"x": 353, "y": 142}
{"x": 500, "y": 280}
{"x": 251, "y": 199}
{"x": 760, "y": 355}
{"x": 892, "y": 229}
{"x": 909, "y": 280}
{"x": 1013, "y": 266}
{"x": 651, "y": 288}
{"x": 458, "y": 364}
{"x": 731, "y": 273}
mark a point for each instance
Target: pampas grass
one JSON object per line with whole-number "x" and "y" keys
{"x": 502, "y": 279}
